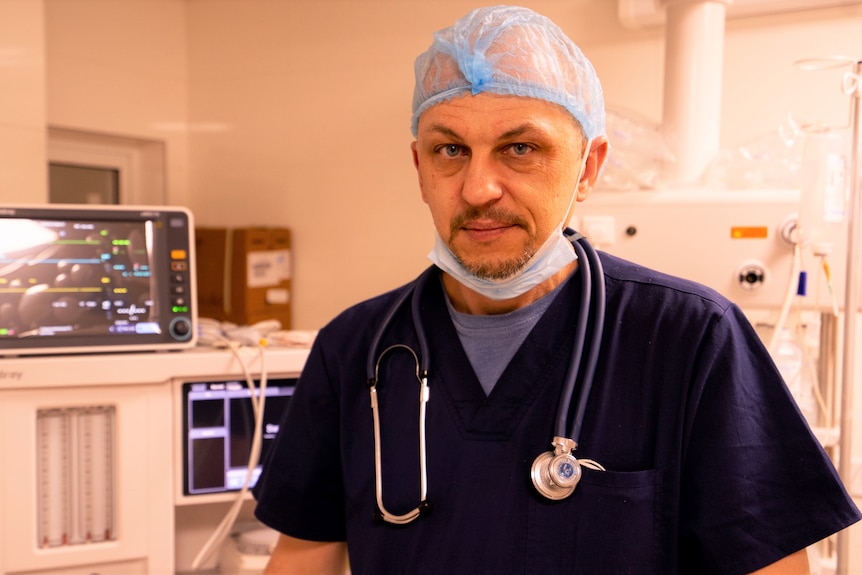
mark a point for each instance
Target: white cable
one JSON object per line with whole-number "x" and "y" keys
{"x": 815, "y": 389}
{"x": 792, "y": 284}
{"x": 258, "y": 403}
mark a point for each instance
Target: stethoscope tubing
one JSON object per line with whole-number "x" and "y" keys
{"x": 418, "y": 327}
{"x": 592, "y": 306}
{"x": 568, "y": 391}
{"x": 373, "y": 373}
{"x": 592, "y": 296}
{"x": 382, "y": 512}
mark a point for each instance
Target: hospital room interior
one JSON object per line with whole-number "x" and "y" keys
{"x": 267, "y": 143}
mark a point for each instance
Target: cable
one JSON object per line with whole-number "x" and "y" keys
{"x": 815, "y": 388}
{"x": 792, "y": 283}
{"x": 258, "y": 403}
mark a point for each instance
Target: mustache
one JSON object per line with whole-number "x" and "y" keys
{"x": 494, "y": 214}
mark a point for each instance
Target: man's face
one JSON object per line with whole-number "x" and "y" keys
{"x": 498, "y": 174}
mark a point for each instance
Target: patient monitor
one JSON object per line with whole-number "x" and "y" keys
{"x": 81, "y": 278}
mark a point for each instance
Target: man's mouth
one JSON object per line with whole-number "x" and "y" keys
{"x": 484, "y": 231}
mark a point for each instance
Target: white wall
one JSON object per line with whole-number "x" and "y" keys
{"x": 315, "y": 100}
{"x": 23, "y": 173}
{"x": 120, "y": 68}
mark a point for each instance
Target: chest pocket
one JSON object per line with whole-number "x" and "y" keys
{"x": 610, "y": 525}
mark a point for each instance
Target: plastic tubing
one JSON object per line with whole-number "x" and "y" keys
{"x": 227, "y": 522}
{"x": 792, "y": 282}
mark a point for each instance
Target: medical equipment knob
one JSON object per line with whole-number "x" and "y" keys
{"x": 181, "y": 328}
{"x": 752, "y": 275}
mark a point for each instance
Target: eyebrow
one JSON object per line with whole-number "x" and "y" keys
{"x": 520, "y": 130}
{"x": 442, "y": 130}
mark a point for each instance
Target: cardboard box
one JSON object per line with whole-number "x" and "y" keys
{"x": 244, "y": 274}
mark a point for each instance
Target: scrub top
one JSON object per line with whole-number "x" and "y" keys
{"x": 710, "y": 468}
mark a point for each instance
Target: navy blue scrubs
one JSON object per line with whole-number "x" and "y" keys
{"x": 710, "y": 466}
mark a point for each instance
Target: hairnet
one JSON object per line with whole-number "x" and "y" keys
{"x": 511, "y": 51}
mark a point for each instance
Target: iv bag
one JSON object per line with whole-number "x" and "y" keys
{"x": 798, "y": 374}
{"x": 823, "y": 182}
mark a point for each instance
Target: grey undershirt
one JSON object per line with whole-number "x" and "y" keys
{"x": 491, "y": 341}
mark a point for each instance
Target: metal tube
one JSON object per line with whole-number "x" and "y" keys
{"x": 694, "y": 55}
{"x": 851, "y": 305}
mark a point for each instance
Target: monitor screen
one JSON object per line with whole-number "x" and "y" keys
{"x": 218, "y": 427}
{"x": 89, "y": 279}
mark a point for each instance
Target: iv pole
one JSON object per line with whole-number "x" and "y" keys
{"x": 853, "y": 87}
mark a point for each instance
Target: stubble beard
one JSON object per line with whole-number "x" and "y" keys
{"x": 498, "y": 268}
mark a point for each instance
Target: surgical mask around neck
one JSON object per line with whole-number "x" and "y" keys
{"x": 555, "y": 254}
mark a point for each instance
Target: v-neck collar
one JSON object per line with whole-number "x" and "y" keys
{"x": 542, "y": 360}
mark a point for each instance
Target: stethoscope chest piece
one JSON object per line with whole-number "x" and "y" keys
{"x": 556, "y": 474}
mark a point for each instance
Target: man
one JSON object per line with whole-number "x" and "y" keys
{"x": 691, "y": 455}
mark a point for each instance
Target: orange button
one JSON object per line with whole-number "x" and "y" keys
{"x": 178, "y": 254}
{"x": 749, "y": 232}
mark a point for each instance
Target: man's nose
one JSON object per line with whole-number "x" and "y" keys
{"x": 482, "y": 184}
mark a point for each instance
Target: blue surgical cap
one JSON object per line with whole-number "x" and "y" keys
{"x": 512, "y": 51}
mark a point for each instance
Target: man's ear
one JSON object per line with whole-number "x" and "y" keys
{"x": 595, "y": 160}
{"x": 418, "y": 173}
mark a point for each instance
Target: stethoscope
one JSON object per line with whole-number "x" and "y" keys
{"x": 554, "y": 473}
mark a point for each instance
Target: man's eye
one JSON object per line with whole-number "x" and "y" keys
{"x": 520, "y": 149}
{"x": 451, "y": 150}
